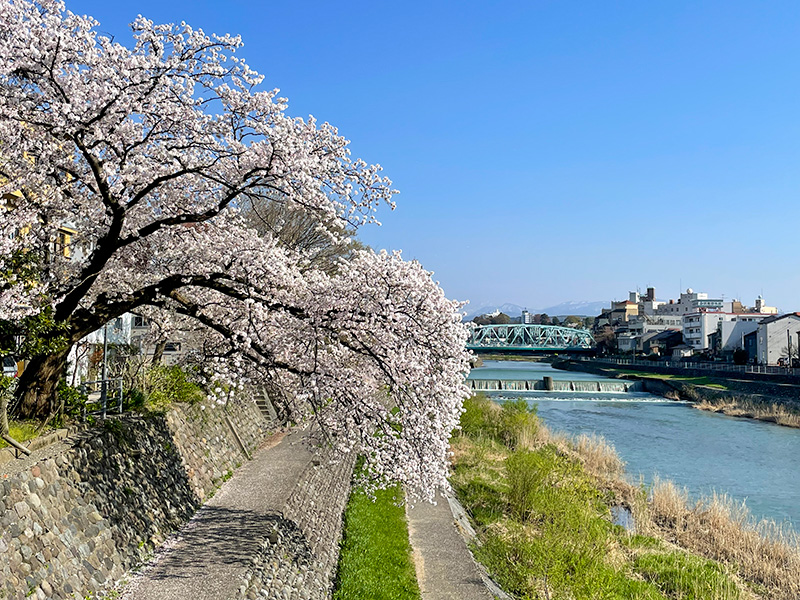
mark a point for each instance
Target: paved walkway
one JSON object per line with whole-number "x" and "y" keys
{"x": 211, "y": 556}
{"x": 445, "y": 567}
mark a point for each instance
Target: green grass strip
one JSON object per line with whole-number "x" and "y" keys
{"x": 375, "y": 561}
{"x": 22, "y": 431}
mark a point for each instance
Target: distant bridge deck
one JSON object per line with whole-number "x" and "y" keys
{"x": 530, "y": 338}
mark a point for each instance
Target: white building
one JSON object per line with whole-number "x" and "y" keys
{"x": 732, "y": 333}
{"x": 645, "y": 324}
{"x": 131, "y": 330}
{"x": 772, "y": 338}
{"x": 697, "y": 326}
{"x": 690, "y": 302}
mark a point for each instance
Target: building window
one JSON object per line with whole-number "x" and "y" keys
{"x": 172, "y": 347}
{"x": 139, "y": 321}
{"x": 62, "y": 242}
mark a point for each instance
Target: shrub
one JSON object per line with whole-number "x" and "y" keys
{"x": 134, "y": 399}
{"x": 480, "y": 417}
{"x": 518, "y": 424}
{"x": 526, "y": 472}
{"x": 514, "y": 425}
{"x": 73, "y": 399}
{"x": 165, "y": 385}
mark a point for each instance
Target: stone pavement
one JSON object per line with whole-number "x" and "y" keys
{"x": 445, "y": 567}
{"x": 212, "y": 556}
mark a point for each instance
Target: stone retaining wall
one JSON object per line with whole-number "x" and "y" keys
{"x": 298, "y": 560}
{"x": 74, "y": 517}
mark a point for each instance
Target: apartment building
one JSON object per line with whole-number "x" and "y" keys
{"x": 698, "y": 326}
{"x": 775, "y": 335}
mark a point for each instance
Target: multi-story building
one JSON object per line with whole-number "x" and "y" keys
{"x": 698, "y": 326}
{"x": 690, "y": 302}
{"x": 774, "y": 337}
{"x": 731, "y": 335}
{"x": 694, "y": 314}
{"x": 620, "y": 312}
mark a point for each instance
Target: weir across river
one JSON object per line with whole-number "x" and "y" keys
{"x": 548, "y": 384}
{"x": 748, "y": 460}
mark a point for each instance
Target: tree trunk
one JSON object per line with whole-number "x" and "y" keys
{"x": 159, "y": 352}
{"x": 3, "y": 413}
{"x": 36, "y": 389}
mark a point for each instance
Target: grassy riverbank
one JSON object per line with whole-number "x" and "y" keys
{"x": 747, "y": 409}
{"x": 375, "y": 559}
{"x": 731, "y": 403}
{"x": 542, "y": 505}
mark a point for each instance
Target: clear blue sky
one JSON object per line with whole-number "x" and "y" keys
{"x": 551, "y": 151}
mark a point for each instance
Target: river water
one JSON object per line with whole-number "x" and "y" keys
{"x": 751, "y": 461}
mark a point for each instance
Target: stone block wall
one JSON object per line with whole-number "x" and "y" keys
{"x": 298, "y": 560}
{"x": 75, "y": 517}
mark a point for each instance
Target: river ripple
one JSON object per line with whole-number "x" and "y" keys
{"x": 751, "y": 461}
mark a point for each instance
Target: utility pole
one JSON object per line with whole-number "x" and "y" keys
{"x": 104, "y": 382}
{"x": 789, "y": 339}
{"x": 798, "y": 342}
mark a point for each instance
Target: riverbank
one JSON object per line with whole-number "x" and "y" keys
{"x": 543, "y": 507}
{"x": 769, "y": 402}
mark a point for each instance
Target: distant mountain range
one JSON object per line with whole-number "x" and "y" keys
{"x": 577, "y": 308}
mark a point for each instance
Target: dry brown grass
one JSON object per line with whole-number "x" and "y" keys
{"x": 737, "y": 407}
{"x": 762, "y": 553}
{"x": 598, "y": 456}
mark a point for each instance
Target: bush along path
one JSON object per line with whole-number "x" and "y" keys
{"x": 542, "y": 507}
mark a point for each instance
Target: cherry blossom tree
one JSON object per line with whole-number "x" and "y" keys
{"x": 151, "y": 155}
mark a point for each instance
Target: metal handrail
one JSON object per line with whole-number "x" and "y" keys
{"x": 105, "y": 385}
{"x": 760, "y": 369}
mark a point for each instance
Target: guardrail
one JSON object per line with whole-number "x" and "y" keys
{"x": 104, "y": 394}
{"x": 676, "y": 364}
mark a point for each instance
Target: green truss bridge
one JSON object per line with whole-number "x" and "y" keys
{"x": 529, "y": 338}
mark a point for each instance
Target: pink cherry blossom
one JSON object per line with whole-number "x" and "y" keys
{"x": 149, "y": 153}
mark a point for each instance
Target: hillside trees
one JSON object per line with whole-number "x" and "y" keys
{"x": 158, "y": 156}
{"x": 498, "y": 319}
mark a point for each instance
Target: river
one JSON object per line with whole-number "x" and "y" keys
{"x": 751, "y": 461}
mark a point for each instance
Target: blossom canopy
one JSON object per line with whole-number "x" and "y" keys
{"x": 154, "y": 156}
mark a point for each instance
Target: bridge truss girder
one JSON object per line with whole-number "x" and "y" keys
{"x": 530, "y": 337}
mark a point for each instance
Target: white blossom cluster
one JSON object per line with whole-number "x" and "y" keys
{"x": 149, "y": 153}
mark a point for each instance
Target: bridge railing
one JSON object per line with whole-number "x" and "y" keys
{"x": 528, "y": 335}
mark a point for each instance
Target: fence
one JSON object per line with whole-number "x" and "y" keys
{"x": 103, "y": 396}
{"x": 699, "y": 366}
